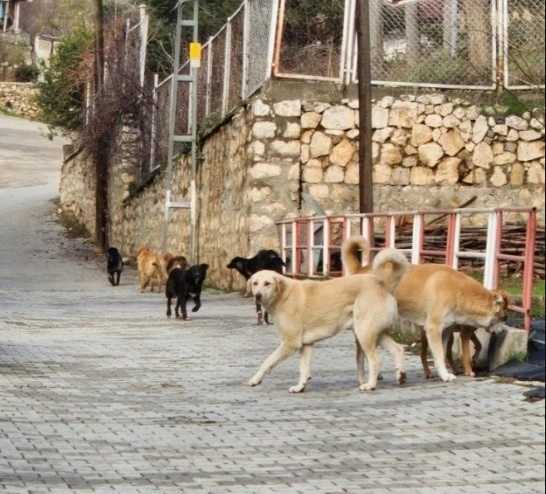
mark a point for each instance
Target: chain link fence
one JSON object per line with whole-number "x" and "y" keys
{"x": 440, "y": 42}
{"x": 523, "y": 36}
{"x": 469, "y": 44}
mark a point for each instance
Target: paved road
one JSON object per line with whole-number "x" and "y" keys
{"x": 101, "y": 393}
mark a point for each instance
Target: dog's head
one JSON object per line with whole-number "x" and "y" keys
{"x": 143, "y": 252}
{"x": 500, "y": 305}
{"x": 240, "y": 265}
{"x": 265, "y": 286}
{"x": 198, "y": 273}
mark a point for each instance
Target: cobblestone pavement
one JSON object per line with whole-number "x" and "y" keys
{"x": 101, "y": 393}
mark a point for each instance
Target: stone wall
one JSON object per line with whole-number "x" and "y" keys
{"x": 429, "y": 152}
{"x": 19, "y": 98}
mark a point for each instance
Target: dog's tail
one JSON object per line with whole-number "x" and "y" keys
{"x": 350, "y": 250}
{"x": 390, "y": 265}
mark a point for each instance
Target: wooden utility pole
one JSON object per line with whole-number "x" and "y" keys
{"x": 365, "y": 108}
{"x": 101, "y": 156}
{"x": 99, "y": 45}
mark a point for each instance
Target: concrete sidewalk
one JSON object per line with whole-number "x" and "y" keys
{"x": 101, "y": 393}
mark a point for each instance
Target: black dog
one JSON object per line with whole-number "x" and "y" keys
{"x": 114, "y": 265}
{"x": 264, "y": 259}
{"x": 185, "y": 284}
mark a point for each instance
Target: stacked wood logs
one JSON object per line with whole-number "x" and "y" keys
{"x": 474, "y": 239}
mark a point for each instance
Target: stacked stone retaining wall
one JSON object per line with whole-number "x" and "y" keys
{"x": 429, "y": 152}
{"x": 19, "y": 98}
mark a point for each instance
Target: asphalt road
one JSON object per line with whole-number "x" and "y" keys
{"x": 101, "y": 393}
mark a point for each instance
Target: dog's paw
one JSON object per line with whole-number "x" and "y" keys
{"x": 401, "y": 377}
{"x": 169, "y": 314}
{"x": 367, "y": 387}
{"x": 448, "y": 376}
{"x": 196, "y": 308}
{"x": 254, "y": 382}
{"x": 298, "y": 388}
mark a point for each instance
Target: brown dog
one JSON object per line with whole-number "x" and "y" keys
{"x": 149, "y": 269}
{"x": 436, "y": 297}
{"x": 309, "y": 311}
{"x": 468, "y": 333}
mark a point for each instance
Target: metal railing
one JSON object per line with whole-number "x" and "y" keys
{"x": 311, "y": 247}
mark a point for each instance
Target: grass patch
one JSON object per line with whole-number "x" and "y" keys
{"x": 520, "y": 356}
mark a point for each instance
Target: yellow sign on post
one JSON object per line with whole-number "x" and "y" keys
{"x": 195, "y": 55}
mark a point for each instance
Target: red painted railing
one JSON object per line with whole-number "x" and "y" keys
{"x": 311, "y": 247}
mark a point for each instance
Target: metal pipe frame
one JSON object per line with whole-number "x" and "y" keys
{"x": 492, "y": 256}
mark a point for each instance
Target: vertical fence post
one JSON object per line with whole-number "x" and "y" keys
{"x": 246, "y": 36}
{"x": 491, "y": 250}
{"x": 227, "y": 69}
{"x": 454, "y": 263}
{"x": 153, "y": 131}
{"x": 143, "y": 42}
{"x": 452, "y": 240}
{"x": 417, "y": 238}
{"x": 210, "y": 54}
{"x": 309, "y": 247}
{"x": 326, "y": 247}
{"x": 528, "y": 266}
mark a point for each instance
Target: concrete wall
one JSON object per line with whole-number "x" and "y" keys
{"x": 429, "y": 152}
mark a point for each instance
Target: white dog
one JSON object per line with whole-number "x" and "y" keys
{"x": 309, "y": 311}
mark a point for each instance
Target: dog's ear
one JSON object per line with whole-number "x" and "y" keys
{"x": 204, "y": 267}
{"x": 280, "y": 284}
{"x": 248, "y": 287}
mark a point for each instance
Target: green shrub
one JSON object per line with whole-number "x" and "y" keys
{"x": 26, "y": 73}
{"x": 61, "y": 90}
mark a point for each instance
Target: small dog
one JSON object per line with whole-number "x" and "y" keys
{"x": 114, "y": 265}
{"x": 149, "y": 269}
{"x": 468, "y": 334}
{"x": 436, "y": 297}
{"x": 264, "y": 259}
{"x": 309, "y": 311}
{"x": 185, "y": 284}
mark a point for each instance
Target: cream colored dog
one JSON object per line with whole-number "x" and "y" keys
{"x": 436, "y": 297}
{"x": 309, "y": 311}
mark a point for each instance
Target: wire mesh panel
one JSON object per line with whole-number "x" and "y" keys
{"x": 162, "y": 117}
{"x": 218, "y": 47}
{"x": 311, "y": 38}
{"x": 260, "y": 15}
{"x": 432, "y": 42}
{"x": 236, "y": 50}
{"x": 524, "y": 33}
{"x": 182, "y": 125}
{"x": 203, "y": 85}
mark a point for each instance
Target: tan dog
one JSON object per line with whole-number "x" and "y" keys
{"x": 149, "y": 269}
{"x": 436, "y": 297}
{"x": 309, "y": 311}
